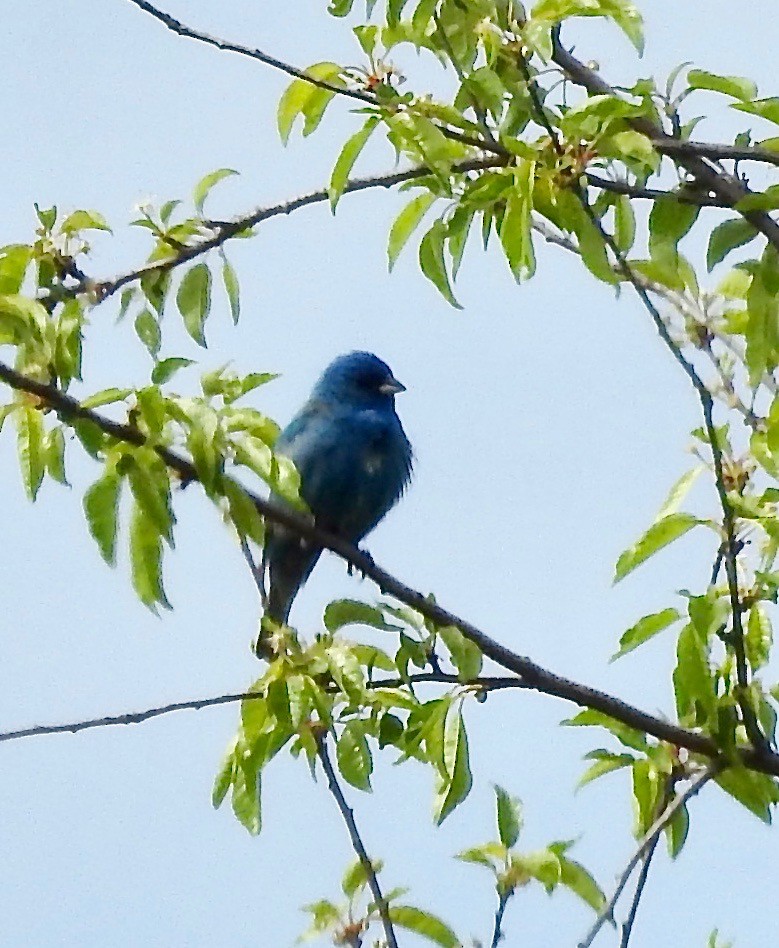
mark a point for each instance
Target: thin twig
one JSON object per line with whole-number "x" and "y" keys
{"x": 533, "y": 675}
{"x": 607, "y": 912}
{"x": 176, "y": 26}
{"x": 646, "y": 862}
{"x": 497, "y": 931}
{"x": 357, "y": 843}
{"x": 653, "y": 194}
{"x": 225, "y": 230}
{"x": 483, "y": 684}
{"x": 134, "y": 717}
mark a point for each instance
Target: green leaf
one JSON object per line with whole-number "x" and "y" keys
{"x": 406, "y": 223}
{"x": 343, "y": 612}
{"x": 659, "y": 535}
{"x": 734, "y": 86}
{"x": 676, "y": 831}
{"x": 54, "y": 452}
{"x": 466, "y": 655}
{"x": 424, "y": 924}
{"x": 694, "y": 688}
{"x": 456, "y": 785}
{"x": 224, "y": 778}
{"x": 101, "y": 505}
{"x": 644, "y": 630}
{"x": 647, "y": 793}
{"x": 31, "y": 448}
{"x": 298, "y": 95}
{"x": 204, "y": 185}
{"x": 194, "y": 300}
{"x": 84, "y": 220}
{"x": 148, "y": 330}
{"x": 509, "y": 811}
{"x": 515, "y": 232}
{"x": 605, "y": 763}
{"x": 757, "y": 792}
{"x": 14, "y": 261}
{"x": 243, "y": 513}
{"x": 622, "y": 12}
{"x": 247, "y": 792}
{"x": 542, "y": 865}
{"x": 354, "y": 756}
{"x": 345, "y": 162}
{"x": 767, "y": 109}
{"x": 726, "y": 237}
{"x": 576, "y": 878}
{"x": 165, "y": 370}
{"x": 624, "y": 223}
{"x": 106, "y": 397}
{"x": 669, "y": 221}
{"x": 232, "y": 288}
{"x": 431, "y": 260}
{"x": 355, "y": 879}
{"x": 629, "y": 736}
{"x": 759, "y": 637}
{"x": 150, "y": 485}
{"x": 146, "y": 559}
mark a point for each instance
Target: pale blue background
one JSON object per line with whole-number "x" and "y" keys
{"x": 548, "y": 422}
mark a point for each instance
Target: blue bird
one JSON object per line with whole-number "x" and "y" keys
{"x": 354, "y": 461}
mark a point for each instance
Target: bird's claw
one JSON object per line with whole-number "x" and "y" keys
{"x": 351, "y": 568}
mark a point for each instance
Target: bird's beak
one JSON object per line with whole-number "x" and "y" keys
{"x": 392, "y": 387}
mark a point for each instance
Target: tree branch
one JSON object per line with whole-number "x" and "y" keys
{"x": 714, "y": 151}
{"x": 485, "y": 683}
{"x": 534, "y": 676}
{"x": 725, "y": 186}
{"x": 646, "y": 862}
{"x": 652, "y": 834}
{"x": 357, "y": 843}
{"x": 176, "y": 26}
{"x": 225, "y": 230}
{"x": 653, "y": 194}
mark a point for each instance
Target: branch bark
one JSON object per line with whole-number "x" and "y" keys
{"x": 533, "y": 676}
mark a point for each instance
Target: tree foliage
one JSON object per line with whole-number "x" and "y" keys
{"x": 531, "y": 144}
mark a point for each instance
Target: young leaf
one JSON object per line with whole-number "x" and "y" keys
{"x": 644, "y": 630}
{"x": 296, "y": 98}
{"x": 30, "y": 444}
{"x": 515, "y": 232}
{"x": 224, "y": 777}
{"x": 204, "y": 185}
{"x": 456, "y": 785}
{"x": 431, "y": 261}
{"x": 726, "y": 237}
{"x": 146, "y": 559}
{"x": 659, "y": 535}
{"x": 406, "y": 222}
{"x": 194, "y": 300}
{"x": 734, "y": 86}
{"x": 101, "y": 503}
{"x": 757, "y": 792}
{"x": 424, "y": 924}
{"x": 54, "y": 452}
{"x": 354, "y": 756}
{"x": 232, "y": 288}
{"x": 343, "y": 612}
{"x": 148, "y": 330}
{"x": 165, "y": 370}
{"x": 247, "y": 792}
{"x": 509, "y": 817}
{"x": 345, "y": 162}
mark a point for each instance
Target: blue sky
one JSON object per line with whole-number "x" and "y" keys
{"x": 548, "y": 423}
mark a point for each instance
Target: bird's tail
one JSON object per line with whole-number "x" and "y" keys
{"x": 287, "y": 562}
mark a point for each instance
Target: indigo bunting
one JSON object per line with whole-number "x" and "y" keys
{"x": 354, "y": 461}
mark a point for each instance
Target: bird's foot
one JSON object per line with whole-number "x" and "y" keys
{"x": 351, "y": 569}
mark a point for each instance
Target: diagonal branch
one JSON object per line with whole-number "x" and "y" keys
{"x": 725, "y": 186}
{"x": 224, "y": 231}
{"x": 534, "y": 676}
{"x": 357, "y": 843}
{"x": 483, "y": 684}
{"x": 176, "y": 26}
{"x": 651, "y": 835}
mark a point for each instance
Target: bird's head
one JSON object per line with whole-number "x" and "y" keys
{"x": 361, "y": 378}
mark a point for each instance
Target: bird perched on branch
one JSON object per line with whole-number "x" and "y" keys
{"x": 354, "y": 461}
